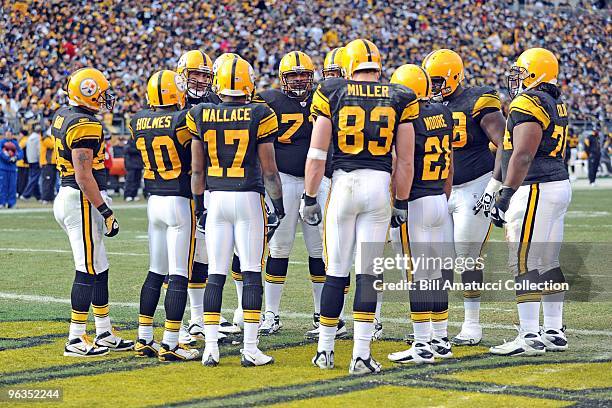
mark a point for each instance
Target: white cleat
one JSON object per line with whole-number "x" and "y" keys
{"x": 419, "y": 353}
{"x": 185, "y": 338}
{"x": 238, "y": 319}
{"x": 554, "y": 339}
{"x": 359, "y": 366}
{"x": 178, "y": 353}
{"x": 83, "y": 347}
{"x": 270, "y": 325}
{"x": 341, "y": 332}
{"x": 226, "y": 327}
{"x": 324, "y": 360}
{"x": 378, "y": 330}
{"x": 113, "y": 342}
{"x": 470, "y": 335}
{"x": 258, "y": 358}
{"x": 196, "y": 329}
{"x": 525, "y": 344}
{"x": 210, "y": 357}
{"x": 441, "y": 347}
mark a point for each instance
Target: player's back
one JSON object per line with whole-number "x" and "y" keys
{"x": 163, "y": 140}
{"x": 230, "y": 133}
{"x": 74, "y": 127}
{"x": 433, "y": 133}
{"x": 472, "y": 157}
{"x": 551, "y": 113}
{"x": 294, "y": 130}
{"x": 365, "y": 117}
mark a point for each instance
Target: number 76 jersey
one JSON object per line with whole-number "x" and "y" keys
{"x": 164, "y": 142}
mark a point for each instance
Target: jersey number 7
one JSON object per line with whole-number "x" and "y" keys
{"x": 230, "y": 138}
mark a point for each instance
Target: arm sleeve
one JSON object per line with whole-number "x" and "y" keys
{"x": 525, "y": 108}
{"x": 84, "y": 135}
{"x": 486, "y": 103}
{"x": 320, "y": 104}
{"x": 267, "y": 127}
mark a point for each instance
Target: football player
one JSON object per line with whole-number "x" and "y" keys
{"x": 161, "y": 135}
{"x": 197, "y": 69}
{"x": 292, "y": 108}
{"x": 478, "y": 121}
{"x": 82, "y": 208}
{"x": 423, "y": 235}
{"x": 332, "y": 65}
{"x": 232, "y": 143}
{"x": 534, "y": 199}
{"x": 363, "y": 119}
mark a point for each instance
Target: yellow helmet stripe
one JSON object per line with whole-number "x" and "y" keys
{"x": 426, "y": 81}
{"x": 297, "y": 59}
{"x": 368, "y": 51}
{"x": 159, "y": 88}
{"x": 233, "y": 79}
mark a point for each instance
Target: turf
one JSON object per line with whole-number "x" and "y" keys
{"x": 36, "y": 273}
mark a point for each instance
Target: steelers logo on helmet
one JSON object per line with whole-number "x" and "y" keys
{"x": 88, "y": 87}
{"x": 181, "y": 83}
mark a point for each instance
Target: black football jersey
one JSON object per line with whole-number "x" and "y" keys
{"x": 210, "y": 97}
{"x": 74, "y": 128}
{"x": 551, "y": 114}
{"x": 471, "y": 154}
{"x": 294, "y": 130}
{"x": 230, "y": 133}
{"x": 164, "y": 142}
{"x": 365, "y": 117}
{"x": 432, "y": 150}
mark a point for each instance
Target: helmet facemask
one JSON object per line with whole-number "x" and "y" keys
{"x": 332, "y": 72}
{"x": 515, "y": 78}
{"x": 107, "y": 100}
{"x": 438, "y": 88}
{"x": 200, "y": 84}
{"x": 297, "y": 83}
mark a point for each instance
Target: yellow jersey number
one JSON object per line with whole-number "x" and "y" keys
{"x": 356, "y": 129}
{"x": 297, "y": 119}
{"x": 230, "y": 138}
{"x": 559, "y": 134}
{"x": 156, "y": 147}
{"x": 459, "y": 130}
{"x": 434, "y": 148}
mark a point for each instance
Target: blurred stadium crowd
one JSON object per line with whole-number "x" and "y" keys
{"x": 43, "y": 40}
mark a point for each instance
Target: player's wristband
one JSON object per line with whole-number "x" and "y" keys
{"x": 308, "y": 200}
{"x": 104, "y": 210}
{"x": 400, "y": 204}
{"x": 503, "y": 202}
{"x": 198, "y": 200}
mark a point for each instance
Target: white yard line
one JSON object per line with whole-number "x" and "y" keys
{"x": 50, "y": 209}
{"x": 286, "y": 315}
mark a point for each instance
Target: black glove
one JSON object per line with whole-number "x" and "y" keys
{"x": 200, "y": 212}
{"x": 112, "y": 226}
{"x": 272, "y": 223}
{"x": 310, "y": 210}
{"x": 498, "y": 211}
{"x": 279, "y": 208}
{"x": 399, "y": 213}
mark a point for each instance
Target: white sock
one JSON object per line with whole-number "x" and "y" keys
{"x": 529, "y": 316}
{"x": 440, "y": 329}
{"x": 239, "y": 285}
{"x": 211, "y": 334}
{"x": 362, "y": 336}
{"x": 379, "y": 302}
{"x": 250, "y": 336}
{"x": 103, "y": 324}
{"x": 145, "y": 333}
{"x": 76, "y": 330}
{"x": 196, "y": 303}
{"x": 317, "y": 289}
{"x": 170, "y": 338}
{"x": 327, "y": 337}
{"x": 422, "y": 332}
{"x": 471, "y": 309}
{"x": 552, "y": 306}
{"x": 273, "y": 292}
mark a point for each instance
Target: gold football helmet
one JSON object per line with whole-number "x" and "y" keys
{"x": 533, "y": 67}
{"x": 196, "y": 66}
{"x": 89, "y": 88}
{"x": 235, "y": 77}
{"x": 166, "y": 88}
{"x": 445, "y": 68}
{"x": 360, "y": 55}
{"x": 296, "y": 74}
{"x": 332, "y": 66}
{"x": 415, "y": 78}
{"x": 222, "y": 58}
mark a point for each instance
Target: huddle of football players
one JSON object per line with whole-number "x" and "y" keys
{"x": 354, "y": 161}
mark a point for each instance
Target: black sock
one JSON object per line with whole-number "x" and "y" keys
{"x": 439, "y": 306}
{"x": 332, "y": 300}
{"x": 364, "y": 305}
{"x": 276, "y": 270}
{"x": 149, "y": 297}
{"x": 236, "y": 271}
{"x": 99, "y": 297}
{"x": 316, "y": 267}
{"x": 199, "y": 274}
{"x": 252, "y": 295}
{"x": 473, "y": 277}
{"x": 525, "y": 293}
{"x": 420, "y": 304}
{"x": 213, "y": 298}
{"x": 176, "y": 298}
{"x": 80, "y": 296}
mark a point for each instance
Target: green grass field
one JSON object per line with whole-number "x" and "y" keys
{"x": 36, "y": 271}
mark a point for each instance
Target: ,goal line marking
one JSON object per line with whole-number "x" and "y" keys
{"x": 289, "y": 315}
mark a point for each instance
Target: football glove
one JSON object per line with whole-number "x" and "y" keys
{"x": 201, "y": 221}
{"x": 487, "y": 199}
{"x": 272, "y": 223}
{"x": 399, "y": 213}
{"x": 200, "y": 212}
{"x": 498, "y": 211}
{"x": 279, "y": 208}
{"x": 310, "y": 210}
{"x": 112, "y": 226}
